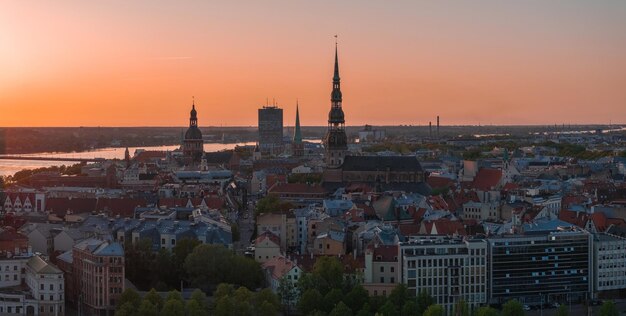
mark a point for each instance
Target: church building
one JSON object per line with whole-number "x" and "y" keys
{"x": 193, "y": 144}
{"x": 384, "y": 172}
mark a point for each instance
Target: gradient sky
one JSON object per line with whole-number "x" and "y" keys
{"x": 138, "y": 63}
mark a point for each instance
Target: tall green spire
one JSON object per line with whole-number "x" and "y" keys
{"x": 297, "y": 134}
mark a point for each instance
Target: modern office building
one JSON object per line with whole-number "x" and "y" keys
{"x": 550, "y": 267}
{"x": 271, "y": 130}
{"x": 609, "y": 263}
{"x": 449, "y": 269}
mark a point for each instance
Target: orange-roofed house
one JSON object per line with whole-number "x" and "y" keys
{"x": 281, "y": 268}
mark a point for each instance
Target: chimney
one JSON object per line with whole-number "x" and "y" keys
{"x": 437, "y": 126}
{"x": 430, "y": 129}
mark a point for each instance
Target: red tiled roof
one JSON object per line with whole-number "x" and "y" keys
{"x": 60, "y": 206}
{"x": 368, "y": 210}
{"x": 487, "y": 179}
{"x": 437, "y": 202}
{"x": 278, "y": 267}
{"x": 149, "y": 155}
{"x": 297, "y": 188}
{"x": 10, "y": 234}
{"x": 272, "y": 179}
{"x": 436, "y": 182}
{"x": 510, "y": 186}
{"x": 354, "y": 215}
{"x": 268, "y": 235}
{"x": 445, "y": 226}
{"x": 384, "y": 253}
{"x": 124, "y": 207}
{"x": 409, "y": 229}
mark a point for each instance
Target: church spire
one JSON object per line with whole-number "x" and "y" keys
{"x": 297, "y": 134}
{"x": 336, "y": 76}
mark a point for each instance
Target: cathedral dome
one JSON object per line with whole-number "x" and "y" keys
{"x": 193, "y": 133}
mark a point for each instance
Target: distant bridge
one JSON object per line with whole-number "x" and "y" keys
{"x": 51, "y": 158}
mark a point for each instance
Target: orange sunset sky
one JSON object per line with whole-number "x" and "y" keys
{"x": 138, "y": 63}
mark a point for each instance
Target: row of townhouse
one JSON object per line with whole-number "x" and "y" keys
{"x": 561, "y": 266}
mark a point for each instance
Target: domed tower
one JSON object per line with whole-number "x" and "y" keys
{"x": 193, "y": 143}
{"x": 336, "y": 141}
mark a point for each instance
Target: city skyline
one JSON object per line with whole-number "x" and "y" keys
{"x": 121, "y": 64}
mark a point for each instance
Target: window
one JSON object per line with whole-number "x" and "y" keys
{"x": 382, "y": 269}
{"x": 392, "y": 269}
{"x": 41, "y": 286}
{"x": 382, "y": 279}
{"x": 51, "y": 287}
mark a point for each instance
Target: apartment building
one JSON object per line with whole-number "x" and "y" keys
{"x": 449, "y": 269}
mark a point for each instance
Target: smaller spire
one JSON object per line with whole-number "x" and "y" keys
{"x": 193, "y": 102}
{"x": 297, "y": 135}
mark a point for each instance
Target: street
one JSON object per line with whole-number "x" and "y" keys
{"x": 577, "y": 310}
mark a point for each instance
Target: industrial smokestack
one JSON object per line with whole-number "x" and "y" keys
{"x": 437, "y": 126}
{"x": 430, "y": 129}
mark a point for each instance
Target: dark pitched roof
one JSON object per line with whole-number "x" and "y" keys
{"x": 381, "y": 163}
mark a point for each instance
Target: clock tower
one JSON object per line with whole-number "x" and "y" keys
{"x": 335, "y": 141}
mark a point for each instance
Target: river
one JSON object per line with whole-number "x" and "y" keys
{"x": 10, "y": 167}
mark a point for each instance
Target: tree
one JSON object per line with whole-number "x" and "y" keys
{"x": 486, "y": 311}
{"x": 434, "y": 310}
{"x": 608, "y": 308}
{"x": 388, "y": 309}
{"x": 310, "y": 300}
{"x": 365, "y": 310}
{"x": 126, "y": 309}
{"x": 399, "y": 295}
{"x": 287, "y": 292}
{"x": 224, "y": 289}
{"x": 461, "y": 309}
{"x": 341, "y": 309}
{"x": 266, "y": 296}
{"x": 409, "y": 309}
{"x": 512, "y": 308}
{"x": 173, "y": 307}
{"x": 267, "y": 309}
{"x": 147, "y": 309}
{"x": 328, "y": 273}
{"x": 174, "y": 295}
{"x": 139, "y": 263}
{"x": 213, "y": 264}
{"x": 562, "y": 311}
{"x": 129, "y": 296}
{"x": 424, "y": 300}
{"x": 153, "y": 297}
{"x": 195, "y": 309}
{"x": 224, "y": 306}
{"x": 331, "y": 299}
{"x": 271, "y": 204}
{"x": 200, "y": 298}
{"x": 356, "y": 298}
